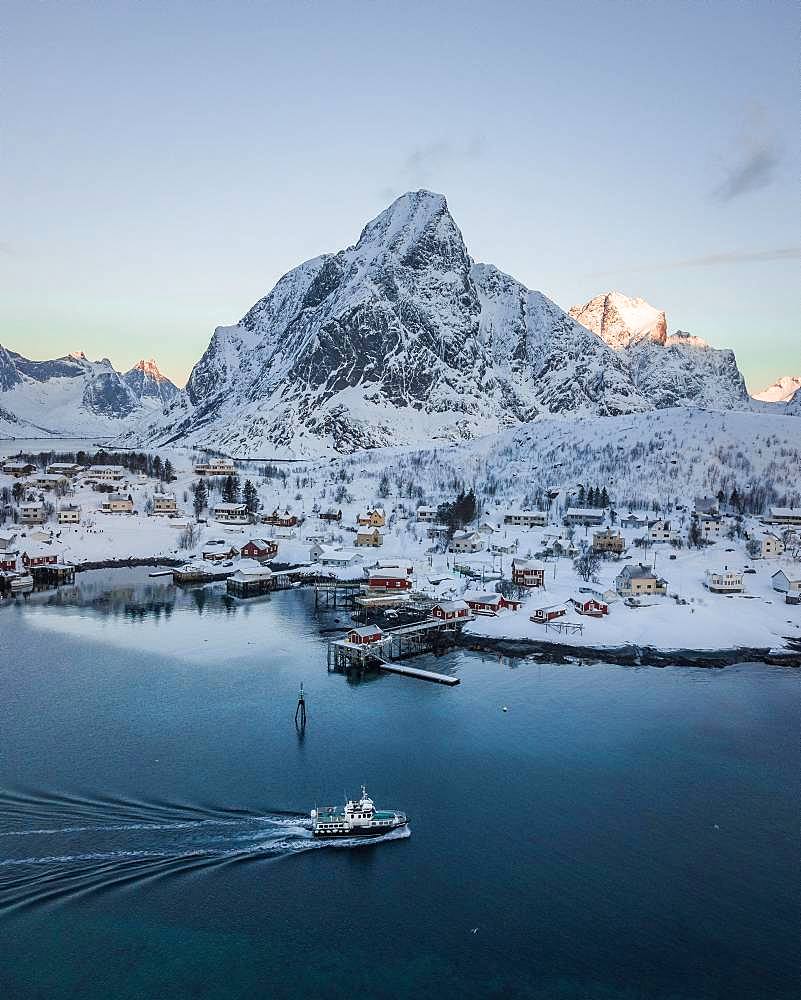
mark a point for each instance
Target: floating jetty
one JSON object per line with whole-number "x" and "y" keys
{"x": 422, "y": 675}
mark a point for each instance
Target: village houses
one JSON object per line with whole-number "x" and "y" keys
{"x": 426, "y": 513}
{"x": 32, "y": 512}
{"x": 785, "y": 583}
{"x": 281, "y": 519}
{"x": 231, "y": 513}
{"x": 659, "y": 531}
{"x": 374, "y": 518}
{"x": 164, "y": 504}
{"x": 710, "y": 526}
{"x": 333, "y": 555}
{"x": 68, "y": 513}
{"x": 118, "y": 503}
{"x": 259, "y": 549}
{"x": 608, "y": 541}
{"x": 770, "y": 546}
{"x": 526, "y": 518}
{"x": 68, "y": 469}
{"x": 448, "y": 611}
{"x": 217, "y": 550}
{"x": 724, "y": 581}
{"x": 106, "y": 473}
{"x": 466, "y": 541}
{"x": 585, "y": 516}
{"x": 528, "y": 573}
{"x": 389, "y": 579}
{"x": 216, "y": 467}
{"x": 481, "y": 603}
{"x": 637, "y": 580}
{"x": 369, "y": 537}
{"x": 785, "y": 515}
{"x": 18, "y": 469}
{"x": 49, "y": 481}
{"x": 548, "y": 613}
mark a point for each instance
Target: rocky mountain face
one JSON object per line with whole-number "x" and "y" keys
{"x": 146, "y": 381}
{"x": 793, "y": 405}
{"x": 398, "y": 339}
{"x": 782, "y": 390}
{"x": 669, "y": 370}
{"x": 69, "y": 396}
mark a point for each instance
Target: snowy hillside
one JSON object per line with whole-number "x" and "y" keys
{"x": 73, "y": 396}
{"x": 402, "y": 339}
{"x": 782, "y": 390}
{"x": 668, "y": 370}
{"x": 669, "y": 457}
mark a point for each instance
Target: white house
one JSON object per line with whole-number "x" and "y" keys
{"x": 216, "y": 467}
{"x": 164, "y": 503}
{"x": 32, "y": 512}
{"x": 106, "y": 473}
{"x": 69, "y": 513}
{"x": 583, "y": 515}
{"x": 786, "y": 584}
{"x": 724, "y": 581}
{"x": 331, "y": 555}
{"x": 771, "y": 546}
{"x": 526, "y": 518}
{"x": 466, "y": 541}
{"x": 231, "y": 513}
{"x": 785, "y": 515}
{"x": 710, "y": 525}
{"x": 659, "y": 531}
{"x": 118, "y": 503}
{"x": 426, "y": 513}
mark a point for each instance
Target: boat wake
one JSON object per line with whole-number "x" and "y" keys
{"x": 53, "y": 847}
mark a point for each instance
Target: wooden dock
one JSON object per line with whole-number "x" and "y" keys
{"x": 422, "y": 675}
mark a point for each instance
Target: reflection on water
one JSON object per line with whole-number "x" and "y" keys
{"x": 106, "y": 605}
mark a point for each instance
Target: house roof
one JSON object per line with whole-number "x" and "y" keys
{"x": 530, "y": 564}
{"x": 366, "y": 630}
{"x": 390, "y": 572}
{"x": 785, "y": 511}
{"x": 482, "y": 598}
{"x": 230, "y": 506}
{"x": 451, "y": 605}
{"x": 259, "y": 543}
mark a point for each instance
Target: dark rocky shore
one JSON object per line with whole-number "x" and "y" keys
{"x": 631, "y": 655}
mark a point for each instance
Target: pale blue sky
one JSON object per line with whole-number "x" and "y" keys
{"x": 164, "y": 163}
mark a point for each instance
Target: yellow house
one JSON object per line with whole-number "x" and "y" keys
{"x": 372, "y": 537}
{"x": 375, "y": 518}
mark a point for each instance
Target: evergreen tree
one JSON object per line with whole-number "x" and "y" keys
{"x": 157, "y": 467}
{"x": 582, "y": 496}
{"x": 169, "y": 474}
{"x": 734, "y": 499}
{"x": 230, "y": 489}
{"x": 604, "y": 501}
{"x": 201, "y": 499}
{"x": 250, "y": 497}
{"x": 591, "y": 497}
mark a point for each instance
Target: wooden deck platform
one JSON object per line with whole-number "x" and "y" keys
{"x": 422, "y": 675}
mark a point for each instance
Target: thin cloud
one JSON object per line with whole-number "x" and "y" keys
{"x": 755, "y": 171}
{"x": 753, "y": 157}
{"x": 424, "y": 161}
{"x": 710, "y": 260}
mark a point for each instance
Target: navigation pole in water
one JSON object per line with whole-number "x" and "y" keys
{"x": 300, "y": 711}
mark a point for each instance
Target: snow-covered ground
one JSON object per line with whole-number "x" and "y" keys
{"x": 662, "y": 459}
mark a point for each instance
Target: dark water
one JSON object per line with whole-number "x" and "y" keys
{"x": 618, "y": 833}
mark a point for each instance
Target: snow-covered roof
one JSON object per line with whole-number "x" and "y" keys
{"x": 530, "y": 564}
{"x": 365, "y": 631}
{"x": 106, "y": 468}
{"x": 584, "y": 512}
{"x": 478, "y": 597}
{"x": 785, "y": 511}
{"x": 230, "y": 506}
{"x": 452, "y": 605}
{"x": 118, "y": 497}
{"x": 390, "y": 572}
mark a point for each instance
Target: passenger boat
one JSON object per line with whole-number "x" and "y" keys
{"x": 358, "y": 818}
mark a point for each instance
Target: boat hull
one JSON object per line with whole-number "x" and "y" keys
{"x": 360, "y": 834}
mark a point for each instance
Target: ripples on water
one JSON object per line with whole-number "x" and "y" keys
{"x": 53, "y": 847}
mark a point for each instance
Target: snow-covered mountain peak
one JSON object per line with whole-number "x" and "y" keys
{"x": 782, "y": 390}
{"x": 151, "y": 369}
{"x": 407, "y": 220}
{"x": 621, "y": 321}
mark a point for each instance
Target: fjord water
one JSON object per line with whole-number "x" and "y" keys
{"x": 618, "y": 833}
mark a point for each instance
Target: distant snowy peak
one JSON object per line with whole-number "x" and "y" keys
{"x": 782, "y": 390}
{"x": 621, "y": 321}
{"x": 73, "y": 395}
{"x": 147, "y": 381}
{"x": 674, "y": 370}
